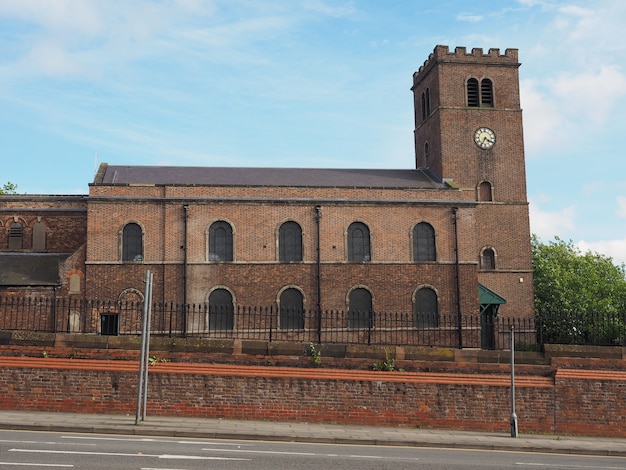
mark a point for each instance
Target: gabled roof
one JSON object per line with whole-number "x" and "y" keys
{"x": 30, "y": 269}
{"x": 488, "y": 297}
{"x": 284, "y": 177}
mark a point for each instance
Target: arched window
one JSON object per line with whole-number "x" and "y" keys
{"x": 39, "y": 237}
{"x": 473, "y": 96}
{"x": 488, "y": 259}
{"x": 484, "y": 191}
{"x": 358, "y": 243}
{"x": 221, "y": 310}
{"x": 132, "y": 243}
{"x": 220, "y": 241}
{"x": 424, "y": 243}
{"x": 425, "y": 308}
{"x": 291, "y": 309}
{"x": 425, "y": 104}
{"x": 486, "y": 93}
{"x": 290, "y": 242}
{"x": 16, "y": 234}
{"x": 360, "y": 311}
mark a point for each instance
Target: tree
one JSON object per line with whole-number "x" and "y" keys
{"x": 579, "y": 297}
{"x": 8, "y": 188}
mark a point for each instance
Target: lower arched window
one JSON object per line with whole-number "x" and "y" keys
{"x": 360, "y": 311}
{"x": 425, "y": 309}
{"x": 16, "y": 233}
{"x": 291, "y": 310}
{"x": 221, "y": 310}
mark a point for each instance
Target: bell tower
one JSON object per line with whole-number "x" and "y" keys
{"x": 468, "y": 121}
{"x": 468, "y": 131}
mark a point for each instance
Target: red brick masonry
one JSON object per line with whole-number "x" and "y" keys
{"x": 590, "y": 402}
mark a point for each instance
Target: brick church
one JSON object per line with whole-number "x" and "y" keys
{"x": 450, "y": 236}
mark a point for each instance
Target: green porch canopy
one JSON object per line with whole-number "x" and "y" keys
{"x": 488, "y": 298}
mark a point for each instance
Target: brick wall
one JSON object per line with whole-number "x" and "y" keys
{"x": 571, "y": 401}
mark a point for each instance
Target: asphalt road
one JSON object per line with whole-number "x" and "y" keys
{"x": 27, "y": 449}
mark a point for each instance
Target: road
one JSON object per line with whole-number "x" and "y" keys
{"x": 39, "y": 450}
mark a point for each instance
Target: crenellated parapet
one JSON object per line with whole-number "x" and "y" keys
{"x": 475, "y": 56}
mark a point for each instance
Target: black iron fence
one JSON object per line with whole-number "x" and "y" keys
{"x": 582, "y": 328}
{"x": 266, "y": 323}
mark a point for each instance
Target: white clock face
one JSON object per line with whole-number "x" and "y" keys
{"x": 484, "y": 137}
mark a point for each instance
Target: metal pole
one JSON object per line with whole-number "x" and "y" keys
{"x": 318, "y": 216}
{"x": 458, "y": 277}
{"x": 142, "y": 358}
{"x": 147, "y": 348}
{"x": 513, "y": 415}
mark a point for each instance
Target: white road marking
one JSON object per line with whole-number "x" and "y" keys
{"x": 24, "y": 464}
{"x": 15, "y": 441}
{"x": 148, "y": 439}
{"x": 121, "y": 454}
{"x": 549, "y": 465}
{"x": 309, "y": 454}
{"x": 159, "y": 468}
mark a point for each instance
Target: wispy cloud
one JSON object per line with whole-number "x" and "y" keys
{"x": 469, "y": 17}
{"x": 548, "y": 224}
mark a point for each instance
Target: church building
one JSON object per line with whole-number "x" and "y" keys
{"x": 450, "y": 236}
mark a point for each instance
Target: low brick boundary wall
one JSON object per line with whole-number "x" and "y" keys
{"x": 590, "y": 402}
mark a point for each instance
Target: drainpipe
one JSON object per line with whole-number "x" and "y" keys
{"x": 318, "y": 216}
{"x": 186, "y": 221}
{"x": 458, "y": 277}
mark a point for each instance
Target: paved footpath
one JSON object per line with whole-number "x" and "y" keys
{"x": 306, "y": 432}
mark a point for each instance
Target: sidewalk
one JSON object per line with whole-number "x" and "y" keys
{"x": 304, "y": 432}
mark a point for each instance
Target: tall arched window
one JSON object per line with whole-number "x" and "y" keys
{"x": 132, "y": 243}
{"x": 488, "y": 259}
{"x": 291, "y": 309}
{"x": 290, "y": 242}
{"x": 16, "y": 235}
{"x": 221, "y": 310}
{"x": 220, "y": 241}
{"x": 424, "y": 243}
{"x": 358, "y": 243}
{"x": 360, "y": 311}
{"x": 425, "y": 308}
{"x": 425, "y": 104}
{"x": 473, "y": 95}
{"x": 486, "y": 93}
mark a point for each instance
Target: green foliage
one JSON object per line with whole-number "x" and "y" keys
{"x": 579, "y": 297}
{"x": 315, "y": 354}
{"x": 388, "y": 365}
{"x": 8, "y": 188}
{"x": 154, "y": 360}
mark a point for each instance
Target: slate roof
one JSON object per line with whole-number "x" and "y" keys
{"x": 283, "y": 177}
{"x": 30, "y": 269}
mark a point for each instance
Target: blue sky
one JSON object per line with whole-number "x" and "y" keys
{"x": 308, "y": 83}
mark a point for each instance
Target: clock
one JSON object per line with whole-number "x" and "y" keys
{"x": 484, "y": 138}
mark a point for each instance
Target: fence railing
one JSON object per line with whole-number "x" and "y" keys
{"x": 265, "y": 323}
{"x": 582, "y": 328}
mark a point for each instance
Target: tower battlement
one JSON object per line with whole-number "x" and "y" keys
{"x": 460, "y": 55}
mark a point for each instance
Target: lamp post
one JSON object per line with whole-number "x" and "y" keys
{"x": 513, "y": 415}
